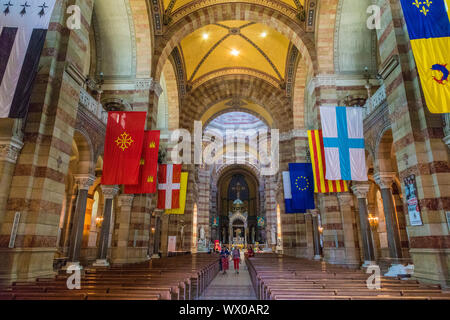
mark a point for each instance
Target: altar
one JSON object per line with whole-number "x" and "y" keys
{"x": 238, "y": 228}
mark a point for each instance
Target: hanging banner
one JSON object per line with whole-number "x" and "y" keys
{"x": 123, "y": 147}
{"x": 23, "y": 29}
{"x": 215, "y": 221}
{"x": 429, "y": 32}
{"x": 412, "y": 201}
{"x": 261, "y": 222}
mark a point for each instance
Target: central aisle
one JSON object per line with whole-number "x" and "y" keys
{"x": 231, "y": 286}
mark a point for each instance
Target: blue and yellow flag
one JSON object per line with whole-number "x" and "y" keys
{"x": 428, "y": 24}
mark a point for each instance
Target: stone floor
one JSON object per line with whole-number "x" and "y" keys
{"x": 231, "y": 286}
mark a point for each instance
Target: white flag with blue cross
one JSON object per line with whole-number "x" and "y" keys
{"x": 343, "y": 139}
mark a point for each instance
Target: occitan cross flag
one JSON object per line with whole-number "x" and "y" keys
{"x": 123, "y": 147}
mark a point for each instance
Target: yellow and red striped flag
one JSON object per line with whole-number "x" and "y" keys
{"x": 322, "y": 185}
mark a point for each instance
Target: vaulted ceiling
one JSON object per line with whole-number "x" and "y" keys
{"x": 240, "y": 47}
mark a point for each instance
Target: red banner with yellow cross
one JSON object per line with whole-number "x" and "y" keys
{"x": 123, "y": 147}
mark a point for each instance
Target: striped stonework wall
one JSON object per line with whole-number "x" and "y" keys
{"x": 349, "y": 227}
{"x": 139, "y": 229}
{"x": 203, "y": 202}
{"x": 121, "y": 234}
{"x": 417, "y": 137}
{"x": 270, "y": 203}
{"x": 333, "y": 232}
{"x": 37, "y": 187}
{"x": 401, "y": 220}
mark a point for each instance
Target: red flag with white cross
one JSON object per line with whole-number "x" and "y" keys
{"x": 169, "y": 178}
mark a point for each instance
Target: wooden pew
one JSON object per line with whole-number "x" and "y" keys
{"x": 281, "y": 277}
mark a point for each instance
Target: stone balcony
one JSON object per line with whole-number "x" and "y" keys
{"x": 93, "y": 106}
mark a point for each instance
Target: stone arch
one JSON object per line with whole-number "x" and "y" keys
{"x": 385, "y": 159}
{"x": 85, "y": 153}
{"x": 162, "y": 113}
{"x": 218, "y": 89}
{"x": 172, "y": 94}
{"x": 228, "y": 110}
{"x": 324, "y": 35}
{"x": 234, "y": 11}
{"x": 298, "y": 95}
{"x": 224, "y": 168}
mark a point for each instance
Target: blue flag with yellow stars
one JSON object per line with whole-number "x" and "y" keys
{"x": 302, "y": 186}
{"x": 428, "y": 23}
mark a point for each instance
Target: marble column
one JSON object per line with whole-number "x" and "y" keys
{"x": 360, "y": 190}
{"x": 109, "y": 192}
{"x": 119, "y": 252}
{"x": 346, "y": 204}
{"x": 157, "y": 236}
{"x": 316, "y": 234}
{"x": 84, "y": 182}
{"x": 384, "y": 181}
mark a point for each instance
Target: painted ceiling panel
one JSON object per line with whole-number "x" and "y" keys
{"x": 274, "y": 44}
{"x": 254, "y": 46}
{"x": 195, "y": 47}
{"x": 248, "y": 57}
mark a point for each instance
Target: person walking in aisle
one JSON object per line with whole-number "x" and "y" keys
{"x": 224, "y": 254}
{"x": 236, "y": 258}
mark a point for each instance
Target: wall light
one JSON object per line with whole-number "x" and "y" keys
{"x": 205, "y": 36}
{"x": 234, "y": 52}
{"x": 98, "y": 221}
{"x": 373, "y": 220}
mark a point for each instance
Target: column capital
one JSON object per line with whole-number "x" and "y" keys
{"x": 360, "y": 189}
{"x": 10, "y": 149}
{"x": 126, "y": 200}
{"x": 109, "y": 192}
{"x": 314, "y": 212}
{"x": 384, "y": 179}
{"x": 345, "y": 199}
{"x": 84, "y": 181}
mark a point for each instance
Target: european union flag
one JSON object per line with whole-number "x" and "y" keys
{"x": 302, "y": 186}
{"x": 288, "y": 206}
